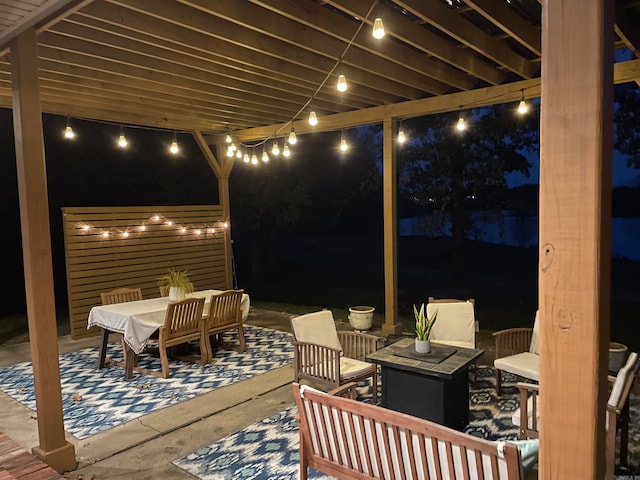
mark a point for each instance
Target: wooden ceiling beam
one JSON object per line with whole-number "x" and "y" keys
{"x": 398, "y": 26}
{"x": 142, "y": 28}
{"x": 152, "y": 57}
{"x": 623, "y": 72}
{"x": 441, "y": 17}
{"x": 378, "y": 87}
{"x": 503, "y": 16}
{"x": 288, "y": 38}
{"x": 627, "y": 30}
{"x": 341, "y": 28}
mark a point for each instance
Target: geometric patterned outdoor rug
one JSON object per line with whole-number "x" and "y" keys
{"x": 268, "y": 449}
{"x": 97, "y": 400}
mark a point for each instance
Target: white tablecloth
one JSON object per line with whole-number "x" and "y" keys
{"x": 139, "y": 319}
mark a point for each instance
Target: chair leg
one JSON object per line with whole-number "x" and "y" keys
{"x": 241, "y": 339}
{"x": 164, "y": 361}
{"x": 375, "y": 387}
{"x": 498, "y": 380}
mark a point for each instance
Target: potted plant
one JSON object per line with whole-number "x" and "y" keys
{"x": 424, "y": 324}
{"x": 178, "y": 283}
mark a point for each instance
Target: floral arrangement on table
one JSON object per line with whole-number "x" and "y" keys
{"x": 424, "y": 324}
{"x": 177, "y": 279}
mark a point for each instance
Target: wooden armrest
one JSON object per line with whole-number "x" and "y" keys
{"x": 529, "y": 387}
{"x": 348, "y": 390}
{"x": 357, "y": 345}
{"x": 512, "y": 341}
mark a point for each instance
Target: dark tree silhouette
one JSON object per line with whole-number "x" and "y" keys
{"x": 627, "y": 119}
{"x": 451, "y": 173}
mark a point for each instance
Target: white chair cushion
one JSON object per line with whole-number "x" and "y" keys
{"x": 350, "y": 367}
{"x": 535, "y": 336}
{"x": 524, "y": 364}
{"x": 317, "y": 327}
{"x": 515, "y": 418}
{"x": 455, "y": 325}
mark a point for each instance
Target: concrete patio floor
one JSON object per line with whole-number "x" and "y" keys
{"x": 144, "y": 448}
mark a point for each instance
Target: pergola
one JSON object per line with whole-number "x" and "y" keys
{"x": 255, "y": 68}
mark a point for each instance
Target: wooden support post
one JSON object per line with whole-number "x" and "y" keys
{"x": 575, "y": 227}
{"x": 36, "y": 245}
{"x": 391, "y": 325}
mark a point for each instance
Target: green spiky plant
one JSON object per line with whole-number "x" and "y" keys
{"x": 424, "y": 324}
{"x": 178, "y": 279}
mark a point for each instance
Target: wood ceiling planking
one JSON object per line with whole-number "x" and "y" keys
{"x": 254, "y": 64}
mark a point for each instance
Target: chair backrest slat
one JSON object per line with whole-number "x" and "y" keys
{"x": 184, "y": 317}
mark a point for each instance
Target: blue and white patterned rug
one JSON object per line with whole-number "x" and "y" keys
{"x": 97, "y": 400}
{"x": 268, "y": 449}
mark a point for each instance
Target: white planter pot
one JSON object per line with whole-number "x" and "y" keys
{"x": 423, "y": 346}
{"x": 176, "y": 294}
{"x": 617, "y": 356}
{"x": 361, "y": 318}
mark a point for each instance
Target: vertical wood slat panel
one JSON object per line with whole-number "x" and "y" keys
{"x": 195, "y": 240}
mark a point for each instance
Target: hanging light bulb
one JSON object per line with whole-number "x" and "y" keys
{"x": 285, "y": 151}
{"x": 228, "y": 138}
{"x": 122, "y": 140}
{"x": 461, "y": 125}
{"x": 292, "y": 136}
{"x": 401, "y": 136}
{"x": 174, "y": 145}
{"x": 238, "y": 154}
{"x": 265, "y": 155}
{"x": 68, "y": 131}
{"x": 275, "y": 150}
{"x": 342, "y": 83}
{"x": 344, "y": 146}
{"x": 378, "y": 28}
{"x": 246, "y": 158}
{"x": 313, "y": 118}
{"x": 522, "y": 106}
{"x": 230, "y": 152}
{"x": 254, "y": 157}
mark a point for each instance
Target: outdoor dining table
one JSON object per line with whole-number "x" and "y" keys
{"x": 138, "y": 320}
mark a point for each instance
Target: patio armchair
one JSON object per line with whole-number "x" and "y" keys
{"x": 225, "y": 313}
{"x": 323, "y": 355}
{"x": 527, "y": 416}
{"x": 456, "y": 324}
{"x": 517, "y": 353}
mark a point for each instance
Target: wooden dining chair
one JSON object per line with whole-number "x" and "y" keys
{"x": 121, "y": 295}
{"x": 183, "y": 323}
{"x": 225, "y": 313}
{"x": 118, "y": 295}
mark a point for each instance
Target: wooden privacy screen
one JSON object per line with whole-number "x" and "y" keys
{"x": 112, "y": 247}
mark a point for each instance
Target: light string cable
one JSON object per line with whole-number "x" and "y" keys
{"x": 326, "y": 78}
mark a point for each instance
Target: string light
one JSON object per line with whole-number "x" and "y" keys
{"x": 246, "y": 157}
{"x": 285, "y": 151}
{"x": 522, "y": 106}
{"x": 292, "y": 136}
{"x": 461, "y": 125}
{"x": 265, "y": 155}
{"x": 122, "y": 140}
{"x": 254, "y": 157}
{"x": 344, "y": 146}
{"x": 275, "y": 150}
{"x": 68, "y": 131}
{"x": 174, "y": 149}
{"x": 313, "y": 118}
{"x": 401, "y": 136}
{"x": 342, "y": 83}
{"x": 378, "y": 28}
